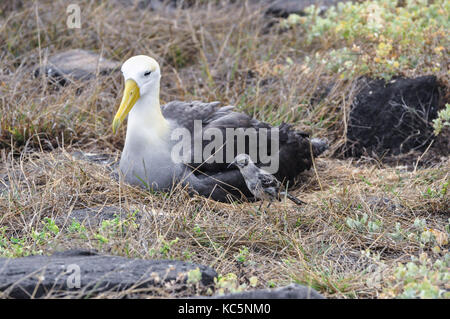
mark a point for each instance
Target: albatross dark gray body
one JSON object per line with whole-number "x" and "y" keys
{"x": 216, "y": 179}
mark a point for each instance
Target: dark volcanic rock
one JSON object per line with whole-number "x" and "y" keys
{"x": 158, "y": 5}
{"x": 293, "y": 291}
{"x": 392, "y": 118}
{"x": 146, "y": 4}
{"x": 76, "y": 64}
{"x": 277, "y": 8}
{"x": 283, "y": 8}
{"x": 39, "y": 276}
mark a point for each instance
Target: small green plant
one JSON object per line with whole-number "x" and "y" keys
{"x": 16, "y": 247}
{"x": 357, "y": 223}
{"x": 243, "y": 254}
{"x": 442, "y": 120}
{"x": 229, "y": 283}
{"x": 101, "y": 239}
{"x": 49, "y": 231}
{"x": 194, "y": 276}
{"x": 398, "y": 233}
{"x": 421, "y": 234}
{"x": 50, "y": 226}
{"x": 421, "y": 278}
{"x": 166, "y": 246}
{"x": 117, "y": 226}
{"x": 201, "y": 236}
{"x": 187, "y": 255}
{"x": 437, "y": 192}
{"x": 374, "y": 226}
{"x": 363, "y": 223}
{"x": 163, "y": 247}
{"x": 197, "y": 229}
{"x": 419, "y": 224}
{"x": 77, "y": 228}
{"x": 112, "y": 226}
{"x": 379, "y": 38}
{"x": 3, "y": 238}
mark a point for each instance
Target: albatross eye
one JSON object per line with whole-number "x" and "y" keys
{"x": 147, "y": 73}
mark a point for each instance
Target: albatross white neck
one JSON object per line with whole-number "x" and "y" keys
{"x": 145, "y": 118}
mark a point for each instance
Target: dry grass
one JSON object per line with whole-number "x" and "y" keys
{"x": 311, "y": 245}
{"x": 215, "y": 53}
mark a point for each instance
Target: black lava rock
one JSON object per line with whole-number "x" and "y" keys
{"x": 56, "y": 275}
{"x": 283, "y": 8}
{"x": 392, "y": 118}
{"x": 76, "y": 65}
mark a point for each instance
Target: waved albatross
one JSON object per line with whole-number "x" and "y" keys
{"x": 148, "y": 158}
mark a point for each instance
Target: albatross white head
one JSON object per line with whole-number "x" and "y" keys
{"x": 141, "y": 95}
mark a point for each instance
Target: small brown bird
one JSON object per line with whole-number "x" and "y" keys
{"x": 261, "y": 184}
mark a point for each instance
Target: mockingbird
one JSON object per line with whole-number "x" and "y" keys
{"x": 262, "y": 185}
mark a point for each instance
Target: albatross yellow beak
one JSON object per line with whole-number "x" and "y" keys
{"x": 130, "y": 96}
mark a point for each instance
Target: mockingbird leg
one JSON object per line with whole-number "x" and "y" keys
{"x": 262, "y": 202}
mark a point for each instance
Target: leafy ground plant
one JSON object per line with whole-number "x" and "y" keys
{"x": 379, "y": 38}
{"x": 421, "y": 278}
{"x": 443, "y": 120}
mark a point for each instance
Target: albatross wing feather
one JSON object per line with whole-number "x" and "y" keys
{"x": 185, "y": 113}
{"x": 294, "y": 153}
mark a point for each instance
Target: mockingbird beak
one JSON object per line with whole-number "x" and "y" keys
{"x": 231, "y": 164}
